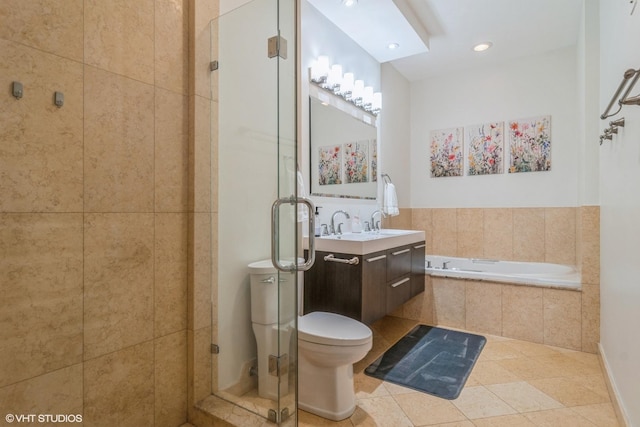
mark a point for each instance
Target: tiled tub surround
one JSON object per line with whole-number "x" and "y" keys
{"x": 563, "y": 318}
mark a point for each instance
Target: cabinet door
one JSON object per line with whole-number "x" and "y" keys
{"x": 374, "y": 274}
{"x": 334, "y": 287}
{"x": 398, "y": 262}
{"x": 417, "y": 268}
{"x": 398, "y": 292}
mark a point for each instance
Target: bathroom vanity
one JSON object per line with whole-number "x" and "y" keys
{"x": 365, "y": 275}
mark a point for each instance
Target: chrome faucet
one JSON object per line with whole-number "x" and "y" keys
{"x": 374, "y": 225}
{"x": 333, "y": 221}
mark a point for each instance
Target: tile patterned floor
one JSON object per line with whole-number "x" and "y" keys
{"x": 514, "y": 383}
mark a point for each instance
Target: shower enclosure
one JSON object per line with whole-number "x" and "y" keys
{"x": 254, "y": 162}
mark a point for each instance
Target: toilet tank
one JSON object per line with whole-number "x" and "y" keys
{"x": 269, "y": 290}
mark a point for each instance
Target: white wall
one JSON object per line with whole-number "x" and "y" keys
{"x": 528, "y": 87}
{"x": 620, "y": 209}
{"x": 395, "y": 131}
{"x": 588, "y": 79}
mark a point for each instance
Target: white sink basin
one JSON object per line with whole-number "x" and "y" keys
{"x": 365, "y": 243}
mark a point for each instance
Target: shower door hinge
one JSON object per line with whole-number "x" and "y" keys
{"x": 277, "y": 46}
{"x": 278, "y": 365}
{"x": 274, "y": 417}
{"x": 215, "y": 349}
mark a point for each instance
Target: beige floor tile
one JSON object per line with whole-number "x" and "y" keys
{"x": 306, "y": 419}
{"x": 562, "y": 365}
{"x": 455, "y": 424}
{"x": 479, "y": 402}
{"x": 366, "y": 386}
{"x": 531, "y": 348}
{"x": 563, "y": 417}
{"x": 504, "y": 421}
{"x": 601, "y": 414}
{"x": 394, "y": 389}
{"x": 490, "y": 372}
{"x": 526, "y": 368}
{"x": 568, "y": 392}
{"x": 523, "y": 397}
{"x": 595, "y": 383}
{"x": 361, "y": 418}
{"x": 439, "y": 410}
{"x": 498, "y": 350}
{"x": 384, "y": 411}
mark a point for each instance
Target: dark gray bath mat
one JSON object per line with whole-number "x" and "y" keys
{"x": 429, "y": 359}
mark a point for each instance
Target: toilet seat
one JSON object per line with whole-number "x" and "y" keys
{"x": 332, "y": 329}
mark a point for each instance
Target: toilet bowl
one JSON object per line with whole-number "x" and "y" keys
{"x": 328, "y": 345}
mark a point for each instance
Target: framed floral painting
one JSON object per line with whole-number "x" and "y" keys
{"x": 356, "y": 162}
{"x": 530, "y": 144}
{"x": 446, "y": 152}
{"x": 485, "y": 148}
{"x": 330, "y": 165}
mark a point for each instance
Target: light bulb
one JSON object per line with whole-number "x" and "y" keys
{"x": 367, "y": 98}
{"x": 358, "y": 92}
{"x": 346, "y": 88}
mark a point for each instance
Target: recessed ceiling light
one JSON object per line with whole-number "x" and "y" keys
{"x": 481, "y": 47}
{"x": 393, "y": 46}
{"x": 349, "y": 3}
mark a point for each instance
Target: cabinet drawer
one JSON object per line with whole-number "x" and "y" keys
{"x": 398, "y": 292}
{"x": 398, "y": 262}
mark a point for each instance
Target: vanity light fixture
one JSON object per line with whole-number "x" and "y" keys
{"x": 331, "y": 79}
{"x": 481, "y": 47}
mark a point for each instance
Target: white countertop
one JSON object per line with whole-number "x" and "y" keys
{"x": 366, "y": 242}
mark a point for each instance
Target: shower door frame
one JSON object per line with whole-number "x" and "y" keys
{"x": 284, "y": 228}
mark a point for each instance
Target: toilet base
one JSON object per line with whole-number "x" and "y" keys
{"x": 326, "y": 392}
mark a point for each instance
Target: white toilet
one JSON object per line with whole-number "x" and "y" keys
{"x": 328, "y": 346}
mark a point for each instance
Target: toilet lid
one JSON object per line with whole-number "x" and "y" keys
{"x": 332, "y": 329}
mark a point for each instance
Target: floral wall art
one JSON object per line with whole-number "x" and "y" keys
{"x": 373, "y": 149}
{"x": 446, "y": 152}
{"x": 530, "y": 144}
{"x": 330, "y": 165}
{"x": 356, "y": 162}
{"x": 485, "y": 148}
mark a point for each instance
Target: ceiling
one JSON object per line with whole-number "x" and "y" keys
{"x": 437, "y": 36}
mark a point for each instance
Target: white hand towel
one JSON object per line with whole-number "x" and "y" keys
{"x": 390, "y": 200}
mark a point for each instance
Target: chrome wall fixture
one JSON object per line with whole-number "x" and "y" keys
{"x": 331, "y": 79}
{"x": 624, "y": 100}
{"x": 612, "y": 130}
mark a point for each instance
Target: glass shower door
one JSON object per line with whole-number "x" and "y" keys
{"x": 254, "y": 130}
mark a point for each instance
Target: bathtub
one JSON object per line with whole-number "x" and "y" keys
{"x": 521, "y": 273}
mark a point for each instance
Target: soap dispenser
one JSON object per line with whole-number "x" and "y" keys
{"x": 356, "y": 227}
{"x": 317, "y": 222}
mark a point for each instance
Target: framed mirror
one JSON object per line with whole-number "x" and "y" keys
{"x": 343, "y": 149}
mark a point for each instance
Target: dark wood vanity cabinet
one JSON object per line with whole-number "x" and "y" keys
{"x": 375, "y": 286}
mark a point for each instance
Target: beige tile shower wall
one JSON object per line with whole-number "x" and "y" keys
{"x": 561, "y": 235}
{"x": 94, "y": 210}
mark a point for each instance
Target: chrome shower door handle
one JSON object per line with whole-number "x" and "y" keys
{"x": 275, "y": 235}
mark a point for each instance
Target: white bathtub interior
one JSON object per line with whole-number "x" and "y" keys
{"x": 524, "y": 273}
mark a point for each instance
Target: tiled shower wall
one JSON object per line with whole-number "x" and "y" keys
{"x": 94, "y": 210}
{"x": 564, "y": 235}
